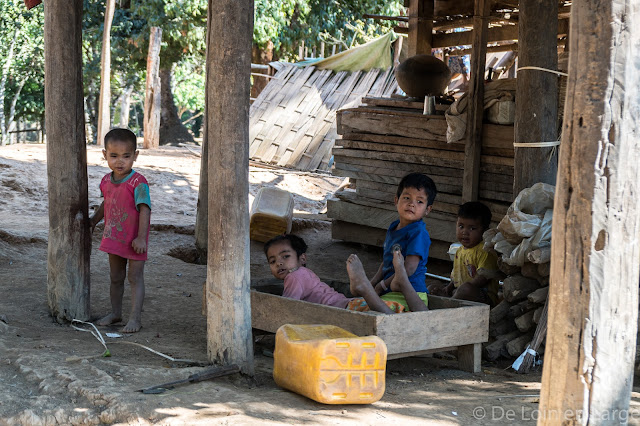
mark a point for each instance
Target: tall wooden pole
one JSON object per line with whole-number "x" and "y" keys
{"x": 202, "y": 210}
{"x": 104, "y": 110}
{"x": 69, "y": 245}
{"x": 229, "y": 337}
{"x": 536, "y": 93}
{"x": 420, "y": 27}
{"x": 473, "y": 141}
{"x": 593, "y": 305}
{"x": 152, "y": 97}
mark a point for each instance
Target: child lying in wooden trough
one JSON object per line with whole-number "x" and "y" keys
{"x": 287, "y": 259}
{"x": 398, "y": 285}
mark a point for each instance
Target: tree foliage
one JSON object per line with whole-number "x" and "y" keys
{"x": 287, "y": 22}
{"x": 184, "y": 28}
{"x": 25, "y": 68}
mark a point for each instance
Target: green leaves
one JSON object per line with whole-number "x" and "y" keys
{"x": 288, "y": 22}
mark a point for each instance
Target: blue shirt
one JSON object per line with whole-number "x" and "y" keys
{"x": 415, "y": 241}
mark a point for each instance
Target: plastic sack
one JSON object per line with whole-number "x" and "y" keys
{"x": 487, "y": 238}
{"x": 524, "y": 216}
{"x": 518, "y": 255}
{"x": 542, "y": 238}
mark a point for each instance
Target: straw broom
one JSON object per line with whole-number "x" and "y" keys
{"x": 538, "y": 338}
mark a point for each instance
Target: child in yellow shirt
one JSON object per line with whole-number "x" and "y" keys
{"x": 467, "y": 279}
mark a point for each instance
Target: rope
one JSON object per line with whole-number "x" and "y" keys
{"x": 544, "y": 69}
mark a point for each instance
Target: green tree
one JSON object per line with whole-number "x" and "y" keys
{"x": 184, "y": 27}
{"x": 286, "y": 23}
{"x": 127, "y": 74}
{"x": 21, "y": 65}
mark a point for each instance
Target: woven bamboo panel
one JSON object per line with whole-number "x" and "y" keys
{"x": 293, "y": 120}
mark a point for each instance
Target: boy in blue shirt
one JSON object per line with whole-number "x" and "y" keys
{"x": 399, "y": 285}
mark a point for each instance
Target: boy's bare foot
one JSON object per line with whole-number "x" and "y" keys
{"x": 358, "y": 282}
{"x": 132, "y": 326}
{"x": 109, "y": 319}
{"x": 400, "y": 273}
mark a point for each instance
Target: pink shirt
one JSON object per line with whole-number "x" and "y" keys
{"x": 303, "y": 284}
{"x": 121, "y": 216}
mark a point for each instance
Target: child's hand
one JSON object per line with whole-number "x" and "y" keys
{"x": 450, "y": 289}
{"x": 139, "y": 245}
{"x": 92, "y": 224}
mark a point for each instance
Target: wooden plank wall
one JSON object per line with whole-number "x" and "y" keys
{"x": 385, "y": 139}
{"x": 292, "y": 121}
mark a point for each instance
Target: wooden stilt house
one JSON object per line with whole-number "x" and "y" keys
{"x": 387, "y": 138}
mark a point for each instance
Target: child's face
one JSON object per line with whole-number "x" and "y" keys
{"x": 120, "y": 156}
{"x": 412, "y": 205}
{"x": 282, "y": 258}
{"x": 469, "y": 232}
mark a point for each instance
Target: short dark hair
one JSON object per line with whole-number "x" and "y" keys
{"x": 296, "y": 242}
{"x": 419, "y": 181}
{"x": 476, "y": 210}
{"x": 122, "y": 135}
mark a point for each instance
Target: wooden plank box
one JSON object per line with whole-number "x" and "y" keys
{"x": 448, "y": 324}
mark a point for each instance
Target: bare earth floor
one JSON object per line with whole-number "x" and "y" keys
{"x": 53, "y": 374}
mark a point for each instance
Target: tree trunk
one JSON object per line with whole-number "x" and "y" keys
{"x": 153, "y": 94}
{"x": 537, "y": 94}
{"x": 69, "y": 245}
{"x": 593, "y": 296}
{"x": 12, "y": 109}
{"x": 125, "y": 106}
{"x": 172, "y": 131}
{"x": 229, "y": 338}
{"x": 3, "y": 82}
{"x": 104, "y": 116}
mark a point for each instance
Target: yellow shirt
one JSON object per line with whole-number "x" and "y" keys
{"x": 467, "y": 263}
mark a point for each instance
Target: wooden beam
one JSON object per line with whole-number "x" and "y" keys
{"x": 473, "y": 141}
{"x": 69, "y": 246}
{"x": 510, "y": 47}
{"x": 494, "y": 34}
{"x": 536, "y": 117}
{"x": 386, "y": 18}
{"x": 420, "y": 27}
{"x": 152, "y": 97}
{"x": 593, "y": 295}
{"x": 229, "y": 339}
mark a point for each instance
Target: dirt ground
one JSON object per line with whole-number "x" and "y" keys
{"x": 53, "y": 374}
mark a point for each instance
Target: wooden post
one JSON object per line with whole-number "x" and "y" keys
{"x": 104, "y": 105}
{"x": 473, "y": 141}
{"x": 202, "y": 212}
{"x": 202, "y": 209}
{"x": 593, "y": 295}
{"x": 152, "y": 96}
{"x": 420, "y": 27}
{"x": 229, "y": 338}
{"x": 69, "y": 245}
{"x": 536, "y": 115}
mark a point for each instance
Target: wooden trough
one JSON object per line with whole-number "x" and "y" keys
{"x": 449, "y": 324}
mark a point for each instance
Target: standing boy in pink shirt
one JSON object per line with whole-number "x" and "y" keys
{"x": 127, "y": 211}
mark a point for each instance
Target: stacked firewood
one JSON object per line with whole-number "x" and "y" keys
{"x": 513, "y": 322}
{"x": 522, "y": 243}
